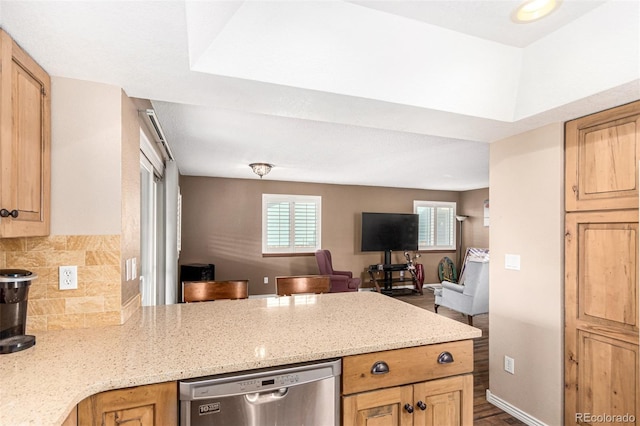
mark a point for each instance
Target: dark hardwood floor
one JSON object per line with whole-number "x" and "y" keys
{"x": 484, "y": 413}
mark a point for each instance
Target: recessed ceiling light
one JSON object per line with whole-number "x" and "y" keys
{"x": 532, "y": 10}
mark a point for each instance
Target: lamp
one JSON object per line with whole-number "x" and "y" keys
{"x": 460, "y": 219}
{"x": 261, "y": 169}
{"x": 532, "y": 10}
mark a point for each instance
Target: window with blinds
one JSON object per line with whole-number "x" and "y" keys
{"x": 290, "y": 223}
{"x": 436, "y": 229}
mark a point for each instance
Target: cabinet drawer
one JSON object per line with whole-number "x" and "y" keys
{"x": 409, "y": 365}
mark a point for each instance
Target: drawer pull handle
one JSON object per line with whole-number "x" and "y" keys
{"x": 421, "y": 405}
{"x": 445, "y": 358}
{"x": 409, "y": 408}
{"x": 380, "y": 367}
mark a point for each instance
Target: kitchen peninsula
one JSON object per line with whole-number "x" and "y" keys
{"x": 42, "y": 385}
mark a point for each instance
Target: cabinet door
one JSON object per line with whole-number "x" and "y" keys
{"x": 601, "y": 314}
{"x": 143, "y": 405}
{"x": 601, "y": 154}
{"x": 383, "y": 407}
{"x": 608, "y": 380}
{"x": 445, "y": 402}
{"x": 25, "y": 148}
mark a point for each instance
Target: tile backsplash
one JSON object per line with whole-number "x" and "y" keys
{"x": 96, "y": 301}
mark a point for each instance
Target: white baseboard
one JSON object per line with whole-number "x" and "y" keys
{"x": 514, "y": 411}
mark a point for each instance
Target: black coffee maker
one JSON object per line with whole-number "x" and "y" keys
{"x": 14, "y": 291}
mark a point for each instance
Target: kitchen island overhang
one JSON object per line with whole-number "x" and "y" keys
{"x": 173, "y": 342}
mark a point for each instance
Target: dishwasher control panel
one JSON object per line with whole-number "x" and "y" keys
{"x": 264, "y": 381}
{"x": 258, "y": 384}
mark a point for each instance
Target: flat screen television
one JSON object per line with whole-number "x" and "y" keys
{"x": 389, "y": 232}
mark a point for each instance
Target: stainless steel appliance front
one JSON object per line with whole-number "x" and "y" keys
{"x": 296, "y": 395}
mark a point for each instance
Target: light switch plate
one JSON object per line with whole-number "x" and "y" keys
{"x": 127, "y": 267}
{"x": 512, "y": 261}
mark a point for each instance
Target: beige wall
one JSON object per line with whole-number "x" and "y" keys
{"x": 222, "y": 225}
{"x": 525, "y": 317}
{"x": 130, "y": 204}
{"x": 474, "y": 233}
{"x": 85, "y": 157}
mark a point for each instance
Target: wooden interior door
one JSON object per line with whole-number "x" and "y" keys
{"x": 601, "y": 314}
{"x": 601, "y": 154}
{"x": 444, "y": 402}
{"x": 378, "y": 408}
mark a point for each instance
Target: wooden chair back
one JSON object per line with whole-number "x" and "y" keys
{"x": 286, "y": 286}
{"x": 202, "y": 291}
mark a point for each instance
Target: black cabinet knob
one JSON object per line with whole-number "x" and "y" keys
{"x": 7, "y": 213}
{"x": 421, "y": 405}
{"x": 409, "y": 408}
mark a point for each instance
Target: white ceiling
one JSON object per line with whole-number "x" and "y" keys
{"x": 387, "y": 93}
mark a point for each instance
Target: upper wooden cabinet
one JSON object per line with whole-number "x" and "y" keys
{"x": 25, "y": 143}
{"x": 602, "y": 153}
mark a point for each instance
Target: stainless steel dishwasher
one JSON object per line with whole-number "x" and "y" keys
{"x": 301, "y": 394}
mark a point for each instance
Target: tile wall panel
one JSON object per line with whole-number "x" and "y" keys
{"x": 95, "y": 303}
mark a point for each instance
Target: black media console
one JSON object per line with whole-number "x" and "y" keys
{"x": 387, "y": 272}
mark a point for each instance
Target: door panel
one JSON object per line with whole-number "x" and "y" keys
{"x": 378, "y": 408}
{"x": 602, "y": 152}
{"x": 27, "y": 142}
{"x": 448, "y": 402}
{"x": 608, "y": 273}
{"x": 608, "y": 376}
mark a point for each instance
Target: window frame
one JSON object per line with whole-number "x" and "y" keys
{"x": 436, "y": 204}
{"x": 292, "y": 200}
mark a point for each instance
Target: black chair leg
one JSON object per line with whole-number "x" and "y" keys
{"x": 470, "y": 320}
{"x": 436, "y": 308}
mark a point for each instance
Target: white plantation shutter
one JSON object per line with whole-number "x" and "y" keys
{"x": 291, "y": 223}
{"x": 436, "y": 225}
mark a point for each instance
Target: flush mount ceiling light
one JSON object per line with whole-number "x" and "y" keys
{"x": 261, "y": 169}
{"x": 532, "y": 10}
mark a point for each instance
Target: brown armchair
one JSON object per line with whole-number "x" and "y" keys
{"x": 340, "y": 280}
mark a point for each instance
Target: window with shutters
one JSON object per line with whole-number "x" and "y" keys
{"x": 290, "y": 223}
{"x": 437, "y": 220}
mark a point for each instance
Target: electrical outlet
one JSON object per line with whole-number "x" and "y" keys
{"x": 266, "y": 280}
{"x": 68, "y": 277}
{"x": 509, "y": 365}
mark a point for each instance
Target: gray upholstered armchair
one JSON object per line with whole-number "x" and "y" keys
{"x": 340, "y": 280}
{"x": 472, "y": 298}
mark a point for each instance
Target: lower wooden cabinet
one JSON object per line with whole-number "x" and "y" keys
{"x": 143, "y": 405}
{"x": 426, "y": 385}
{"x": 444, "y": 402}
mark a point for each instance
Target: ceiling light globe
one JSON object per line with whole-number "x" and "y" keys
{"x": 532, "y": 10}
{"x": 261, "y": 169}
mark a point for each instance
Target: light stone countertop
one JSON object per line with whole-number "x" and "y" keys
{"x": 41, "y": 385}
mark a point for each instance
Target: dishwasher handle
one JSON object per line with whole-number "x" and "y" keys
{"x": 266, "y": 397}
